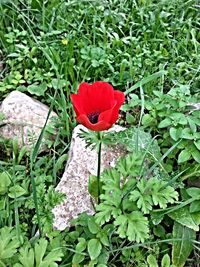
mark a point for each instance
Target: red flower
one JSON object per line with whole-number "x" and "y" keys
{"x": 97, "y": 105}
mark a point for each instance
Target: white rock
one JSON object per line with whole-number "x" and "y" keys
{"x": 82, "y": 163}
{"x": 24, "y": 118}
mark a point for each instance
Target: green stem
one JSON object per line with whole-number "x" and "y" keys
{"x": 99, "y": 166}
{"x": 34, "y": 190}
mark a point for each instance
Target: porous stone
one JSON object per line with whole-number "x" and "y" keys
{"x": 82, "y": 163}
{"x": 24, "y": 117}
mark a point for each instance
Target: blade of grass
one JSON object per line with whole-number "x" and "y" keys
{"x": 145, "y": 80}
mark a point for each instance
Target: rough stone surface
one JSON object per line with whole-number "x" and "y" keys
{"x": 24, "y": 118}
{"x": 81, "y": 164}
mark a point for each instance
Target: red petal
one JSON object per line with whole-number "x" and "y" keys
{"x": 111, "y": 115}
{"x": 77, "y": 104}
{"x": 99, "y": 126}
{"x": 101, "y": 95}
{"x": 84, "y": 97}
{"x": 119, "y": 97}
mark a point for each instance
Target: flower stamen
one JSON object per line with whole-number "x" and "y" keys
{"x": 93, "y": 117}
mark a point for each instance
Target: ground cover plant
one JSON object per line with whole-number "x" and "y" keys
{"x": 149, "y": 204}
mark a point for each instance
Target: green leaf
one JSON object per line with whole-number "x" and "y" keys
{"x": 103, "y": 237}
{"x": 39, "y": 256}
{"x": 194, "y": 192}
{"x": 151, "y": 259}
{"x": 184, "y": 217}
{"x": 60, "y": 162}
{"x": 184, "y": 156}
{"x": 178, "y": 118}
{"x": 136, "y": 139}
{"x": 195, "y": 206}
{"x": 8, "y": 243}
{"x": 82, "y": 244}
{"x": 77, "y": 258}
{"x": 130, "y": 119}
{"x": 93, "y": 186}
{"x": 196, "y": 155}
{"x": 175, "y": 133}
{"x": 165, "y": 261}
{"x": 181, "y": 249}
{"x": 165, "y": 123}
{"x": 4, "y": 182}
{"x": 196, "y": 217}
{"x": 192, "y": 124}
{"x": 93, "y": 226}
{"x": 111, "y": 200}
{"x": 147, "y": 119}
{"x": 104, "y": 213}
{"x": 153, "y": 192}
{"x": 26, "y": 257}
{"x": 36, "y": 89}
{"x": 43, "y": 258}
{"x": 187, "y": 134}
{"x": 16, "y": 191}
{"x": 197, "y": 144}
{"x": 94, "y": 248}
{"x": 134, "y": 226}
{"x": 40, "y": 249}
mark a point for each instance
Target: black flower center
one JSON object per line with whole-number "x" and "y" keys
{"x": 93, "y": 117}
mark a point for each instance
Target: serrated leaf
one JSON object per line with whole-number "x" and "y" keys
{"x": 39, "y": 256}
{"x": 8, "y": 243}
{"x": 104, "y": 213}
{"x": 26, "y": 257}
{"x": 153, "y": 192}
{"x": 181, "y": 249}
{"x": 134, "y": 226}
{"x": 94, "y": 248}
{"x": 40, "y": 249}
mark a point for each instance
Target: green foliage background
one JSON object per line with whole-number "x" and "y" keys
{"x": 150, "y": 50}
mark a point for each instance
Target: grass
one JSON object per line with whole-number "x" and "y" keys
{"x": 144, "y": 48}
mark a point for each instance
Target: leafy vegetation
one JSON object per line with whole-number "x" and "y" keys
{"x": 149, "y": 211}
